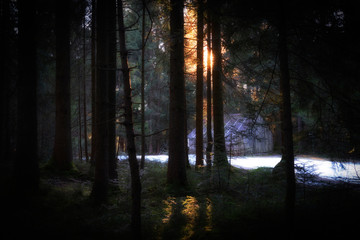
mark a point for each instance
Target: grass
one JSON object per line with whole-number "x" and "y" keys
{"x": 250, "y": 207}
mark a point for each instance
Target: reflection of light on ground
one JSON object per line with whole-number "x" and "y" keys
{"x": 209, "y": 207}
{"x": 190, "y": 209}
{"x": 169, "y": 203}
{"x": 191, "y": 212}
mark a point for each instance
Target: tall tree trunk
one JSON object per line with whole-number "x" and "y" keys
{"x": 131, "y": 147}
{"x": 93, "y": 81}
{"x": 62, "y": 158}
{"x": 79, "y": 113}
{"x": 142, "y": 162}
{"x": 286, "y": 124}
{"x": 187, "y": 161}
{"x": 105, "y": 13}
{"x": 84, "y": 93}
{"x": 209, "y": 145}
{"x": 220, "y": 158}
{"x": 176, "y": 173}
{"x": 26, "y": 170}
{"x": 113, "y": 160}
{"x": 199, "y": 85}
{"x": 5, "y": 28}
{"x": 111, "y": 91}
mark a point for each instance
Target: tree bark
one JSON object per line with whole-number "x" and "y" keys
{"x": 131, "y": 147}
{"x": 111, "y": 93}
{"x": 5, "y": 65}
{"x": 199, "y": 85}
{"x": 93, "y": 82}
{"x": 84, "y": 93}
{"x": 26, "y": 169}
{"x": 220, "y": 158}
{"x": 104, "y": 26}
{"x": 176, "y": 173}
{"x": 142, "y": 163}
{"x": 79, "y": 114}
{"x": 62, "y": 158}
{"x": 286, "y": 124}
{"x": 209, "y": 146}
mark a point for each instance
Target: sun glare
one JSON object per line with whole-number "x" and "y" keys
{"x": 206, "y": 55}
{"x": 191, "y": 43}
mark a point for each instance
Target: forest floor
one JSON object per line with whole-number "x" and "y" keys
{"x": 251, "y": 207}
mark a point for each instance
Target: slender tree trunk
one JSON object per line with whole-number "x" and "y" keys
{"x": 26, "y": 170}
{"x": 131, "y": 147}
{"x": 85, "y": 124}
{"x": 5, "y": 28}
{"x": 79, "y": 114}
{"x": 209, "y": 98}
{"x": 62, "y": 158}
{"x": 286, "y": 124}
{"x": 220, "y": 158}
{"x": 111, "y": 91}
{"x": 142, "y": 163}
{"x": 199, "y": 85}
{"x": 84, "y": 94}
{"x": 187, "y": 161}
{"x": 105, "y": 13}
{"x": 93, "y": 81}
{"x": 176, "y": 173}
{"x": 111, "y": 124}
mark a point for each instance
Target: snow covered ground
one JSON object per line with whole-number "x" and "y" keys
{"x": 322, "y": 167}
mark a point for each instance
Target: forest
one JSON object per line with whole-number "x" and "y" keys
{"x": 130, "y": 119}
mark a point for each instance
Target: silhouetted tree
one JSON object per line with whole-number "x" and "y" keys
{"x": 209, "y": 146}
{"x": 220, "y": 157}
{"x": 285, "y": 115}
{"x": 62, "y": 157}
{"x": 111, "y": 86}
{"x": 176, "y": 173}
{"x": 84, "y": 91}
{"x": 199, "y": 84}
{"x": 142, "y": 163}
{"x": 93, "y": 81}
{"x": 129, "y": 127}
{"x": 105, "y": 66}
{"x": 26, "y": 170}
{"x": 5, "y": 66}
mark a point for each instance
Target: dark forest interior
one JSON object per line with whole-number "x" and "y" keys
{"x": 94, "y": 94}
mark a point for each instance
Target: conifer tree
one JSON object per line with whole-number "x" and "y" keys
{"x": 26, "y": 169}
{"x": 199, "y": 85}
{"x": 129, "y": 127}
{"x": 220, "y": 157}
{"x": 62, "y": 157}
{"x": 105, "y": 68}
{"x": 176, "y": 173}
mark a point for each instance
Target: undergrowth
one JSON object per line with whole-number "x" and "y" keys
{"x": 251, "y": 206}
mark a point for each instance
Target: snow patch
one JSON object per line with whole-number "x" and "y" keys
{"x": 322, "y": 167}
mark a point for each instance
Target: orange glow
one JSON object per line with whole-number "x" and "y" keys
{"x": 190, "y": 40}
{"x": 191, "y": 43}
{"x": 206, "y": 57}
{"x": 191, "y": 212}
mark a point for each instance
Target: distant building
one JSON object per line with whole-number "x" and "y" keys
{"x": 243, "y": 136}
